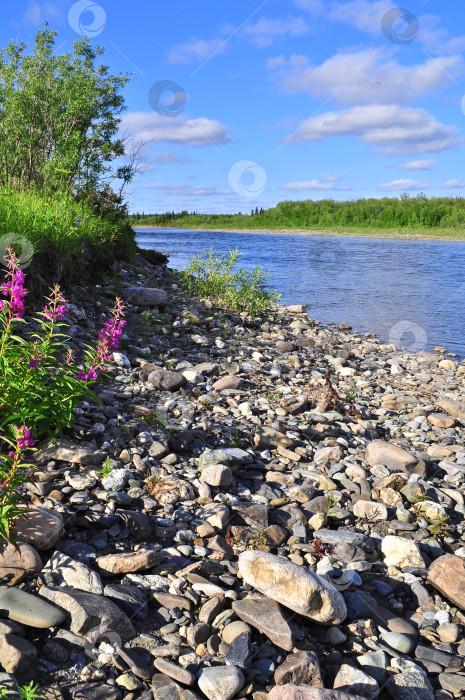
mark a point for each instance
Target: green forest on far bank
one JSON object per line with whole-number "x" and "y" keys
{"x": 388, "y": 213}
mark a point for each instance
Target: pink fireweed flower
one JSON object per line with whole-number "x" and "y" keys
{"x": 13, "y": 287}
{"x": 23, "y": 437}
{"x": 69, "y": 356}
{"x": 57, "y": 308}
{"x": 109, "y": 338}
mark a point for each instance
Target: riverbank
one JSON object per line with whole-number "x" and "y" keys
{"x": 414, "y": 235}
{"x": 255, "y": 503}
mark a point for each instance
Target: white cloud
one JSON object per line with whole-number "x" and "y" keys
{"x": 366, "y": 77}
{"x": 392, "y": 129}
{"x": 403, "y": 186}
{"x": 326, "y": 183}
{"x": 185, "y": 190}
{"x": 266, "y": 31}
{"x": 437, "y": 38}
{"x": 151, "y": 126}
{"x": 361, "y": 14}
{"x": 195, "y": 50}
{"x": 453, "y": 184}
{"x": 418, "y": 165}
{"x": 315, "y": 7}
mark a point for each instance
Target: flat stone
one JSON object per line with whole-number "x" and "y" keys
{"x": 293, "y": 586}
{"x": 165, "y": 688}
{"x": 250, "y": 513}
{"x": 128, "y": 562}
{"x": 337, "y": 537}
{"x": 131, "y": 599}
{"x": 400, "y": 642}
{"x": 29, "y": 609}
{"x": 447, "y": 575}
{"x": 18, "y": 561}
{"x": 66, "y": 451}
{"x": 294, "y": 691}
{"x": 92, "y": 691}
{"x": 370, "y": 510}
{"x": 74, "y": 573}
{"x": 177, "y": 673}
{"x": 230, "y": 382}
{"x": 354, "y": 680}
{"x": 401, "y": 552}
{"x": 221, "y": 682}
{"x": 166, "y": 380}
{"x": 145, "y": 296}
{"x": 269, "y": 438}
{"x": 453, "y": 407}
{"x": 393, "y": 457}
{"x": 453, "y": 682}
{"x": 86, "y": 612}
{"x": 301, "y": 667}
{"x": 267, "y": 617}
{"x": 39, "y": 527}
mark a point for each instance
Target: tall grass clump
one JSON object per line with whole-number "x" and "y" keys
{"x": 216, "y": 277}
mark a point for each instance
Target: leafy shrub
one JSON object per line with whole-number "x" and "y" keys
{"x": 216, "y": 277}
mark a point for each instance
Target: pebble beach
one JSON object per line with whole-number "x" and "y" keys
{"x": 263, "y": 508}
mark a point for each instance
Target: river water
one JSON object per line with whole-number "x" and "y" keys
{"x": 410, "y": 293}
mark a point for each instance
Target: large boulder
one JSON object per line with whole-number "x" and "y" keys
{"x": 395, "y": 458}
{"x": 145, "y": 296}
{"x": 293, "y": 586}
{"x": 447, "y": 575}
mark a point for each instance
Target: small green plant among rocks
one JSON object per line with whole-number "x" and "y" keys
{"x": 218, "y": 278}
{"x": 26, "y": 692}
{"x": 106, "y": 468}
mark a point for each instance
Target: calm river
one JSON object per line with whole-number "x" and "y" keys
{"x": 410, "y": 293}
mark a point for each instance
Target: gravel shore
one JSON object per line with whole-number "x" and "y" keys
{"x": 258, "y": 508}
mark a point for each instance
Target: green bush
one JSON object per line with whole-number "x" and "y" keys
{"x": 216, "y": 277}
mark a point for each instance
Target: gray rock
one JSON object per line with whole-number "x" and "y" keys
{"x": 164, "y": 688}
{"x": 353, "y": 680}
{"x": 116, "y": 480}
{"x": 301, "y": 667}
{"x": 221, "y": 682}
{"x": 294, "y": 691}
{"x": 28, "y": 609}
{"x": 145, "y": 296}
{"x": 266, "y": 616}
{"x": 86, "y": 612}
{"x": 292, "y": 586}
{"x": 17, "y": 655}
{"x": 240, "y": 652}
{"x": 73, "y": 573}
{"x": 166, "y": 380}
{"x": 410, "y": 685}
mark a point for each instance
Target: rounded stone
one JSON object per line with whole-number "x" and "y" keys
{"x": 233, "y": 630}
{"x": 221, "y": 682}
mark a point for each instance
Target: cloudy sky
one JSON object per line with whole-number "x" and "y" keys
{"x": 245, "y": 104}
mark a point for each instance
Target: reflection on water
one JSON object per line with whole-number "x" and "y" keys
{"x": 407, "y": 292}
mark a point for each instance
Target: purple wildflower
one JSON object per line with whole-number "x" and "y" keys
{"x": 13, "y": 287}
{"x": 23, "y": 441}
{"x": 109, "y": 338}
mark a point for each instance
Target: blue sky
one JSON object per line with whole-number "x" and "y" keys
{"x": 245, "y": 104}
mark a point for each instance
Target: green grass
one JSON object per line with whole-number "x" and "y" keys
{"x": 69, "y": 241}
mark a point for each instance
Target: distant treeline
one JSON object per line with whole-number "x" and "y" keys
{"x": 385, "y": 213}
